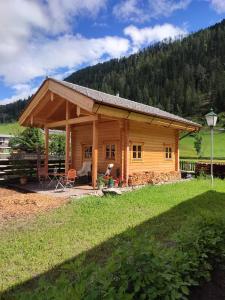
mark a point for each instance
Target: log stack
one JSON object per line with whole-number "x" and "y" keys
{"x": 204, "y": 169}
{"x": 153, "y": 177}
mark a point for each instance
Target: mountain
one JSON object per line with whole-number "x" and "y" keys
{"x": 10, "y": 112}
{"x": 185, "y": 77}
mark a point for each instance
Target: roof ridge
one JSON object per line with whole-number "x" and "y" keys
{"x": 142, "y": 108}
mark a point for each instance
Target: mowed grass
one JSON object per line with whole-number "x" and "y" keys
{"x": 95, "y": 227}
{"x": 187, "y": 145}
{"x": 10, "y": 128}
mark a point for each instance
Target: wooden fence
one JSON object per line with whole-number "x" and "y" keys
{"x": 202, "y": 168}
{"x": 11, "y": 169}
{"x": 187, "y": 166}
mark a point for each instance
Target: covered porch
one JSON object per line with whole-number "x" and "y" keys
{"x": 56, "y": 107}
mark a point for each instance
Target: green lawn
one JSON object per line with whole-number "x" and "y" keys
{"x": 9, "y": 128}
{"x": 187, "y": 145}
{"x": 94, "y": 227}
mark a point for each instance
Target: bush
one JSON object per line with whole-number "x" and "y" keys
{"x": 146, "y": 270}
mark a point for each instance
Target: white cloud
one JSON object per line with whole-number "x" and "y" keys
{"x": 21, "y": 91}
{"x": 61, "y": 12}
{"x": 131, "y": 10}
{"x": 218, "y": 5}
{"x": 148, "y": 35}
{"x": 43, "y": 57}
{"x": 138, "y": 11}
{"x": 36, "y": 38}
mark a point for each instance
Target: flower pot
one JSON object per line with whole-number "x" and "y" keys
{"x": 100, "y": 186}
{"x": 23, "y": 180}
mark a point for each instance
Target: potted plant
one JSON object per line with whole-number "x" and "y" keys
{"x": 100, "y": 182}
{"x": 121, "y": 183}
{"x": 111, "y": 182}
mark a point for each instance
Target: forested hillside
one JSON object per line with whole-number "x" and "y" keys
{"x": 10, "y": 112}
{"x": 185, "y": 77}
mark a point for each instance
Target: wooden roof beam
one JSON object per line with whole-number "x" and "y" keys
{"x": 71, "y": 121}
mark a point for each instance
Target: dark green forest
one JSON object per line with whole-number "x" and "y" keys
{"x": 185, "y": 77}
{"x": 10, "y": 112}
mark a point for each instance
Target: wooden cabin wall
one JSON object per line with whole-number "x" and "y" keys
{"x": 108, "y": 132}
{"x": 154, "y": 140}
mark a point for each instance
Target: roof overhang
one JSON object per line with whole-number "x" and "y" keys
{"x": 93, "y": 107}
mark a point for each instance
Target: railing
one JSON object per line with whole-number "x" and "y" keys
{"x": 187, "y": 166}
{"x": 11, "y": 169}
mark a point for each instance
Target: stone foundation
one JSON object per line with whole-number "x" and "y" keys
{"x": 153, "y": 177}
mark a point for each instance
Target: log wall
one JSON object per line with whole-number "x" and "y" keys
{"x": 154, "y": 140}
{"x": 108, "y": 132}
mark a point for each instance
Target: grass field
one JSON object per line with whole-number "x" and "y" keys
{"x": 9, "y": 128}
{"x": 52, "y": 244}
{"x": 187, "y": 145}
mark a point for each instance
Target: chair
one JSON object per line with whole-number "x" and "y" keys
{"x": 85, "y": 170}
{"x": 68, "y": 180}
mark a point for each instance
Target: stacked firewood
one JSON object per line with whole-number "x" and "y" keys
{"x": 205, "y": 169}
{"x": 153, "y": 177}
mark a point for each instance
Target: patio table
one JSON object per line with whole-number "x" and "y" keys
{"x": 56, "y": 177}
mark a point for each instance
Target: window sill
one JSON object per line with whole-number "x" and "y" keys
{"x": 137, "y": 161}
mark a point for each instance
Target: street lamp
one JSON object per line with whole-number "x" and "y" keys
{"x": 211, "y": 119}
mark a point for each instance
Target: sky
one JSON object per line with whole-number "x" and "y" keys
{"x": 54, "y": 38}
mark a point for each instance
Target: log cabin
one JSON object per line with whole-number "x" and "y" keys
{"x": 140, "y": 140}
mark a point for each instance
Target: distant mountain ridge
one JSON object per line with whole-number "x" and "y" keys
{"x": 185, "y": 77}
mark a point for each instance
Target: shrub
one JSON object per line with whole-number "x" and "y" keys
{"x": 146, "y": 270}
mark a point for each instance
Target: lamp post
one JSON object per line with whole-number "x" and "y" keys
{"x": 211, "y": 119}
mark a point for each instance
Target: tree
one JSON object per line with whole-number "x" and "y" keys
{"x": 30, "y": 140}
{"x": 57, "y": 144}
{"x": 198, "y": 144}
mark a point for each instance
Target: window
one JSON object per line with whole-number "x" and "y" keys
{"x": 87, "y": 152}
{"x": 110, "y": 151}
{"x": 168, "y": 152}
{"x": 137, "y": 151}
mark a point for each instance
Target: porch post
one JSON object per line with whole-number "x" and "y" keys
{"x": 176, "y": 151}
{"x": 67, "y": 156}
{"x": 94, "y": 153}
{"x": 126, "y": 152}
{"x": 46, "y": 148}
{"x": 121, "y": 123}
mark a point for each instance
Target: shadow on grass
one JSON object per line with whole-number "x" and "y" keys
{"x": 161, "y": 227}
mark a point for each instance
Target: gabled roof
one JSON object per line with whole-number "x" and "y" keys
{"x": 123, "y": 103}
{"x": 95, "y": 101}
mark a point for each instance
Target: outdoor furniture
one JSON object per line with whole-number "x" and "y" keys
{"x": 53, "y": 176}
{"x": 68, "y": 180}
{"x": 85, "y": 170}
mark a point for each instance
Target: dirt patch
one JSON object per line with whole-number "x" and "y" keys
{"x": 212, "y": 290}
{"x": 16, "y": 204}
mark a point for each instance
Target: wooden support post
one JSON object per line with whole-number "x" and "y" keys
{"x": 78, "y": 111}
{"x": 95, "y": 154}
{"x": 176, "y": 151}
{"x": 126, "y": 151}
{"x": 121, "y": 123}
{"x": 68, "y": 129}
{"x": 46, "y": 148}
